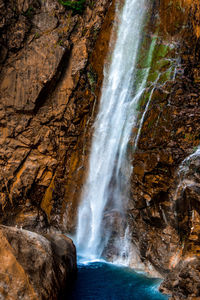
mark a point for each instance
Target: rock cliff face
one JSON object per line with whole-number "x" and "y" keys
{"x": 51, "y": 73}
{"x": 47, "y": 85}
{"x": 164, "y": 210}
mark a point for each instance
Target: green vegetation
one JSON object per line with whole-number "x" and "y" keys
{"x": 29, "y": 12}
{"x": 37, "y": 35}
{"x": 60, "y": 43}
{"x": 195, "y": 148}
{"x": 91, "y": 3}
{"x": 77, "y": 6}
{"x": 92, "y": 78}
{"x": 143, "y": 101}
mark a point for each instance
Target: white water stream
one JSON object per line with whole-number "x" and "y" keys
{"x": 106, "y": 191}
{"x": 183, "y": 173}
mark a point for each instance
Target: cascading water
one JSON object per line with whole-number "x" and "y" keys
{"x": 185, "y": 211}
{"x": 106, "y": 191}
{"x": 184, "y": 173}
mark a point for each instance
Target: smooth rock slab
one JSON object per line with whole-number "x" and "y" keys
{"x": 33, "y": 266}
{"x": 28, "y": 74}
{"x": 45, "y": 21}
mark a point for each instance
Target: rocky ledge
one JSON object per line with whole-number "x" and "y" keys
{"x": 34, "y": 266}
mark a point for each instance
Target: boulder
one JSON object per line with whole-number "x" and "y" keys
{"x": 34, "y": 266}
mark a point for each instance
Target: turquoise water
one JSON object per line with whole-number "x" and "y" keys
{"x": 104, "y": 281}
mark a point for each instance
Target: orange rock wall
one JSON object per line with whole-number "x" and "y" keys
{"x": 165, "y": 225}
{"x": 48, "y": 95}
{"x": 51, "y": 76}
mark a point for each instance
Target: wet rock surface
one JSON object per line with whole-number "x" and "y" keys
{"x": 34, "y": 266}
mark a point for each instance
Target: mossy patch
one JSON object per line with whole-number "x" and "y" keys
{"x": 77, "y": 6}
{"x": 92, "y": 79}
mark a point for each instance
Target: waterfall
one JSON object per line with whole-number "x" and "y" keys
{"x": 101, "y": 214}
{"x": 184, "y": 173}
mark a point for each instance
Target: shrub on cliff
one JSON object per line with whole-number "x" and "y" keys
{"x": 77, "y": 6}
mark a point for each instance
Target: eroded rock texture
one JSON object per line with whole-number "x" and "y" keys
{"x": 47, "y": 85}
{"x": 33, "y": 266}
{"x": 164, "y": 211}
{"x": 49, "y": 82}
{"x": 183, "y": 282}
{"x": 51, "y": 72}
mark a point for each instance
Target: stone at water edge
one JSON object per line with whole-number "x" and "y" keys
{"x": 33, "y": 266}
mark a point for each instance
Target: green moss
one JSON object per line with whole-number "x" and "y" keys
{"x": 165, "y": 76}
{"x": 161, "y": 51}
{"x": 37, "y": 35}
{"x": 143, "y": 101}
{"x": 91, "y": 4}
{"x": 144, "y": 62}
{"x": 162, "y": 64}
{"x": 29, "y": 12}
{"x": 153, "y": 76}
{"x": 77, "y": 6}
{"x": 92, "y": 78}
{"x": 60, "y": 42}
